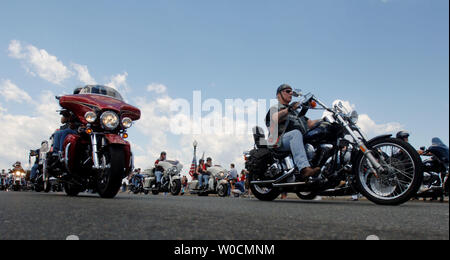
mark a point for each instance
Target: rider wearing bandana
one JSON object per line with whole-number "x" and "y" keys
{"x": 286, "y": 130}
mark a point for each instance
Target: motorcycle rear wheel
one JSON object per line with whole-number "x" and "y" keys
{"x": 402, "y": 179}
{"x": 306, "y": 195}
{"x": 263, "y": 193}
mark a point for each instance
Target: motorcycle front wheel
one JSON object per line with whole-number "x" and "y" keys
{"x": 222, "y": 190}
{"x": 402, "y": 175}
{"x": 176, "y": 188}
{"x": 72, "y": 190}
{"x": 110, "y": 179}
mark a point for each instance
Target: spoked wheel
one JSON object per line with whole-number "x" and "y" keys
{"x": 222, "y": 190}
{"x": 110, "y": 179}
{"x": 402, "y": 175}
{"x": 264, "y": 193}
{"x": 46, "y": 181}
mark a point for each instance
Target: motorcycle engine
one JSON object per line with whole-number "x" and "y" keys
{"x": 273, "y": 171}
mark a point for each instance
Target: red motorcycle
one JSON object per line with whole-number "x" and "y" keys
{"x": 97, "y": 157}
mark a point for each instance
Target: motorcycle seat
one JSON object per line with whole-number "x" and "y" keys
{"x": 280, "y": 155}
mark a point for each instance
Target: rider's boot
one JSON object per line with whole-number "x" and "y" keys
{"x": 311, "y": 175}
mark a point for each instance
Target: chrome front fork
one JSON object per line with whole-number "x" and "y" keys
{"x": 374, "y": 165}
{"x": 95, "y": 159}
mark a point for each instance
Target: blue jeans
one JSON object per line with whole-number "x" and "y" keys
{"x": 240, "y": 186}
{"x": 293, "y": 141}
{"x": 59, "y": 137}
{"x": 34, "y": 171}
{"x": 203, "y": 178}
{"x": 158, "y": 175}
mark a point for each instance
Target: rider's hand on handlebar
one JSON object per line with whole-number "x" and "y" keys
{"x": 294, "y": 106}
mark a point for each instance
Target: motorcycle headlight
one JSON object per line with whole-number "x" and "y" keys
{"x": 222, "y": 175}
{"x": 110, "y": 120}
{"x": 127, "y": 122}
{"x": 354, "y": 117}
{"x": 90, "y": 117}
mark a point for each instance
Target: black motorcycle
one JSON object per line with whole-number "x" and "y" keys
{"x": 139, "y": 188}
{"x": 435, "y": 181}
{"x": 385, "y": 170}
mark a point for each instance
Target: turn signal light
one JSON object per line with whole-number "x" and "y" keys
{"x": 125, "y": 135}
{"x": 313, "y": 104}
{"x": 88, "y": 131}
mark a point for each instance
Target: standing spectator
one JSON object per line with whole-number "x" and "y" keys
{"x": 124, "y": 184}
{"x": 203, "y": 176}
{"x": 184, "y": 185}
{"x": 232, "y": 179}
{"x": 240, "y": 184}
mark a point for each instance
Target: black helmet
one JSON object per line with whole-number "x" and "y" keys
{"x": 402, "y": 135}
{"x": 283, "y": 87}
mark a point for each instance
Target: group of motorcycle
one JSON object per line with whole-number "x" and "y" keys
{"x": 171, "y": 181}
{"x": 15, "y": 179}
{"x": 386, "y": 170}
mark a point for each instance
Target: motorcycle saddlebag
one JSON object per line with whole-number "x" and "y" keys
{"x": 259, "y": 161}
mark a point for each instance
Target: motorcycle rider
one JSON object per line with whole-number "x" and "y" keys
{"x": 137, "y": 177}
{"x": 404, "y": 135}
{"x": 285, "y": 125}
{"x": 69, "y": 126}
{"x": 35, "y": 153}
{"x": 158, "y": 169}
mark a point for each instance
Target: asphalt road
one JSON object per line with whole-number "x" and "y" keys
{"x": 29, "y": 215}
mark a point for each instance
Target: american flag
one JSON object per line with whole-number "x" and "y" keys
{"x": 193, "y": 166}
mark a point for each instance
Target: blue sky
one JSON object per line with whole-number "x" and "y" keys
{"x": 389, "y": 58}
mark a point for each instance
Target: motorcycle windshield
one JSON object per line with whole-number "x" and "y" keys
{"x": 438, "y": 142}
{"x": 439, "y": 149}
{"x": 101, "y": 90}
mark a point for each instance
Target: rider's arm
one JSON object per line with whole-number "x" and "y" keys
{"x": 282, "y": 114}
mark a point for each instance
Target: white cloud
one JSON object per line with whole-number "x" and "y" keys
{"x": 119, "y": 83}
{"x": 368, "y": 125}
{"x": 157, "y": 88}
{"x": 25, "y": 132}
{"x": 2, "y": 110}
{"x": 155, "y": 124}
{"x": 10, "y": 91}
{"x": 15, "y": 50}
{"x": 38, "y": 62}
{"x": 83, "y": 74}
{"x": 372, "y": 129}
